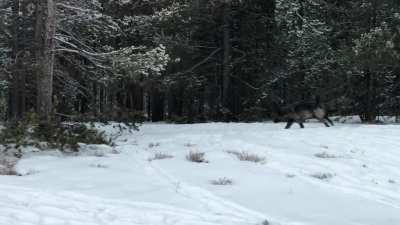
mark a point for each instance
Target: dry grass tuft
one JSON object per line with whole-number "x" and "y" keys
{"x": 7, "y": 167}
{"x": 153, "y": 145}
{"x": 323, "y": 176}
{"x": 290, "y": 175}
{"x": 102, "y": 166}
{"x": 160, "y": 156}
{"x": 195, "y": 156}
{"x": 246, "y": 156}
{"x": 325, "y": 155}
{"x": 265, "y": 222}
{"x": 222, "y": 181}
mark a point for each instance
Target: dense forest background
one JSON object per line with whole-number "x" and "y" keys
{"x": 197, "y": 60}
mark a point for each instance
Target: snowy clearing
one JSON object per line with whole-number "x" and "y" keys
{"x": 346, "y": 174}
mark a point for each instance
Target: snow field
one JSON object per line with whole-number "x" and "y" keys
{"x": 347, "y": 174}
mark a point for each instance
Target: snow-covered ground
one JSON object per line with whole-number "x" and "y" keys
{"x": 348, "y": 174}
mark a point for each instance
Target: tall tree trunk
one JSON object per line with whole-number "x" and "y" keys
{"x": 112, "y": 108}
{"x": 301, "y": 74}
{"x": 44, "y": 53}
{"x": 227, "y": 60}
{"x": 137, "y": 101}
{"x": 370, "y": 112}
{"x": 157, "y": 105}
{"x": 102, "y": 98}
{"x": 16, "y": 106}
{"x": 95, "y": 103}
{"x": 170, "y": 103}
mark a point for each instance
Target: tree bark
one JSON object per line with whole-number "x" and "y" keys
{"x": 16, "y": 106}
{"x": 227, "y": 60}
{"x": 157, "y": 105}
{"x": 370, "y": 111}
{"x": 370, "y": 107}
{"x": 44, "y": 54}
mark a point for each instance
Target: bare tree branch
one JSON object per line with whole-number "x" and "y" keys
{"x": 201, "y": 62}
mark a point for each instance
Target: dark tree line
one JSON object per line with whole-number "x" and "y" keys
{"x": 197, "y": 60}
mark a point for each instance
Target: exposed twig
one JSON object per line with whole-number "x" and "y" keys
{"x": 245, "y": 82}
{"x": 202, "y": 61}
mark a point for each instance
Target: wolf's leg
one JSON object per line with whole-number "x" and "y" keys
{"x": 289, "y": 124}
